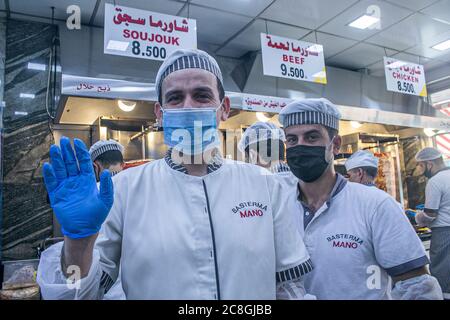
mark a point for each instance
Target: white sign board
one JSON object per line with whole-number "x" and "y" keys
{"x": 405, "y": 77}
{"x": 107, "y": 88}
{"x": 293, "y": 59}
{"x": 146, "y": 34}
{"x": 252, "y": 102}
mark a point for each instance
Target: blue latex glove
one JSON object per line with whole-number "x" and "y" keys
{"x": 78, "y": 204}
{"x": 420, "y": 207}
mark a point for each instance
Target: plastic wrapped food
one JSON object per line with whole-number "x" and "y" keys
{"x": 21, "y": 278}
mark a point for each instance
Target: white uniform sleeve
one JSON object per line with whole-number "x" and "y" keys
{"x": 424, "y": 287}
{"x": 292, "y": 258}
{"x": 55, "y": 286}
{"x": 105, "y": 264}
{"x": 432, "y": 195}
{"x": 397, "y": 247}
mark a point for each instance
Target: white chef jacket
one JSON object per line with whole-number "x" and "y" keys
{"x": 437, "y": 197}
{"x": 286, "y": 177}
{"x": 356, "y": 240}
{"x": 226, "y": 235}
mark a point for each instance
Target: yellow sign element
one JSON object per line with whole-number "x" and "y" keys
{"x": 423, "y": 93}
{"x": 322, "y": 77}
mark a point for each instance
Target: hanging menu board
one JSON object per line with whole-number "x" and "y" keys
{"x": 146, "y": 34}
{"x": 405, "y": 77}
{"x": 293, "y": 59}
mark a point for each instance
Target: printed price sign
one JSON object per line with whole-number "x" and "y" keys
{"x": 293, "y": 59}
{"x": 405, "y": 77}
{"x": 146, "y": 34}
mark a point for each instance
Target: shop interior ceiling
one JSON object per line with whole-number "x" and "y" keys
{"x": 80, "y": 110}
{"x": 408, "y": 28}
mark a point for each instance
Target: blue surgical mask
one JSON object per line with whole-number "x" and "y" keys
{"x": 191, "y": 130}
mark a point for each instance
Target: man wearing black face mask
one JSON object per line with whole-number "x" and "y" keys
{"x": 356, "y": 236}
{"x": 436, "y": 214}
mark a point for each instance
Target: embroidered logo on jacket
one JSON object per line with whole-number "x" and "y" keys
{"x": 344, "y": 240}
{"x": 250, "y": 209}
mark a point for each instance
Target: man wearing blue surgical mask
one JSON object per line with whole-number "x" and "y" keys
{"x": 190, "y": 226}
{"x": 357, "y": 236}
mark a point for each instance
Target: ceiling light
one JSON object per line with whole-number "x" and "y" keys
{"x": 126, "y": 106}
{"x": 262, "y": 117}
{"x": 21, "y": 113}
{"x": 441, "y": 102}
{"x": 27, "y": 95}
{"x": 364, "y": 22}
{"x": 442, "y": 46}
{"x": 36, "y": 66}
{"x": 117, "y": 45}
{"x": 355, "y": 124}
{"x": 41, "y": 67}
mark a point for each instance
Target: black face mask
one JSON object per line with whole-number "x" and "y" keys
{"x": 427, "y": 173}
{"x": 307, "y": 163}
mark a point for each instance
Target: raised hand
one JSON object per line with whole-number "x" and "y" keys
{"x": 78, "y": 204}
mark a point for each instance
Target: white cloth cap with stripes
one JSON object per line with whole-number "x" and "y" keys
{"x": 186, "y": 59}
{"x": 310, "y": 111}
{"x": 102, "y": 146}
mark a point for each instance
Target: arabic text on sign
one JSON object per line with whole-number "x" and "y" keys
{"x": 164, "y": 26}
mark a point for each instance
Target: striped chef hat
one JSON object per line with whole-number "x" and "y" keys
{"x": 310, "y": 111}
{"x": 102, "y": 146}
{"x": 186, "y": 59}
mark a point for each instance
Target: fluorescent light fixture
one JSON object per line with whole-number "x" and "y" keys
{"x": 441, "y": 20}
{"x": 355, "y": 124}
{"x": 364, "y": 22}
{"x": 442, "y": 46}
{"x": 21, "y": 113}
{"x": 442, "y": 102}
{"x": 36, "y": 66}
{"x": 58, "y": 68}
{"x": 27, "y": 95}
{"x": 262, "y": 117}
{"x": 117, "y": 45}
{"x": 126, "y": 106}
{"x": 41, "y": 67}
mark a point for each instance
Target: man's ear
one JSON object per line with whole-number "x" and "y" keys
{"x": 225, "y": 109}
{"x": 360, "y": 172}
{"x": 337, "y": 143}
{"x": 158, "y": 112}
{"x": 252, "y": 156}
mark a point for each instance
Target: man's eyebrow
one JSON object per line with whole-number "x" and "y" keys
{"x": 312, "y": 131}
{"x": 172, "y": 92}
{"x": 203, "y": 89}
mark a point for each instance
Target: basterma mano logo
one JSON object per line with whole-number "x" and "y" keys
{"x": 250, "y": 209}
